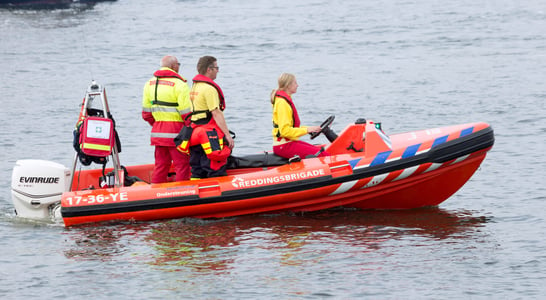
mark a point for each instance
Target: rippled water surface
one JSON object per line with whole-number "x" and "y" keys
{"x": 408, "y": 64}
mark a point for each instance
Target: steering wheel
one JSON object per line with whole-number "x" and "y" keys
{"x": 323, "y": 126}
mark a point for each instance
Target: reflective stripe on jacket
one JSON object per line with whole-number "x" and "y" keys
{"x": 165, "y": 104}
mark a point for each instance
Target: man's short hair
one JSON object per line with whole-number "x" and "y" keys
{"x": 204, "y": 63}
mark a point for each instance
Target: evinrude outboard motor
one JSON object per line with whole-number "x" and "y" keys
{"x": 37, "y": 187}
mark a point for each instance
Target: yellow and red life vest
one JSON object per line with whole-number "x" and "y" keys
{"x": 205, "y": 132}
{"x": 222, "y": 102}
{"x": 295, "y": 117}
{"x": 166, "y": 106}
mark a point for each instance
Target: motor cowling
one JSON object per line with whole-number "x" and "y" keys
{"x": 37, "y": 187}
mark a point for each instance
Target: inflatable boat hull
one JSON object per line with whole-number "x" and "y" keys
{"x": 367, "y": 170}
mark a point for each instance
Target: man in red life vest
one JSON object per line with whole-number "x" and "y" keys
{"x": 165, "y": 104}
{"x": 210, "y": 140}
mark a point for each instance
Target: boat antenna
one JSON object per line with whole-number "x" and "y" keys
{"x": 84, "y": 30}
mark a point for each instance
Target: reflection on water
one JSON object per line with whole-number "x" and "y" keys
{"x": 102, "y": 242}
{"x": 199, "y": 245}
{"x": 212, "y": 246}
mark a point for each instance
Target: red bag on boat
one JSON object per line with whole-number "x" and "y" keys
{"x": 97, "y": 136}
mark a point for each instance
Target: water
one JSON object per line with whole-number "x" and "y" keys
{"x": 408, "y": 64}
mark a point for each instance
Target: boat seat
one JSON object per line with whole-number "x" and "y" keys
{"x": 264, "y": 159}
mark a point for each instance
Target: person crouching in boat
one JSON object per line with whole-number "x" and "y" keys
{"x": 286, "y": 123}
{"x": 211, "y": 142}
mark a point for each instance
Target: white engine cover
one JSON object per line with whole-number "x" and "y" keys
{"x": 36, "y": 185}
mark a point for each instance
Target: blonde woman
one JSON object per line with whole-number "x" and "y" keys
{"x": 287, "y": 128}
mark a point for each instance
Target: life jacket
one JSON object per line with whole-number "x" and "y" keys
{"x": 211, "y": 139}
{"x": 295, "y": 116}
{"x": 164, "y": 74}
{"x": 205, "y": 79}
{"x": 205, "y": 132}
{"x": 163, "y": 114}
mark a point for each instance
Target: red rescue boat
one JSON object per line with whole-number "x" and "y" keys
{"x": 367, "y": 169}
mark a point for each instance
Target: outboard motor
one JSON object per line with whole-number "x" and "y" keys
{"x": 37, "y": 187}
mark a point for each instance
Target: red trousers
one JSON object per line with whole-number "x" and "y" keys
{"x": 300, "y": 148}
{"x": 164, "y": 156}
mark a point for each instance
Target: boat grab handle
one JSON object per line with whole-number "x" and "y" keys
{"x": 343, "y": 169}
{"x": 339, "y": 166}
{"x": 209, "y": 186}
